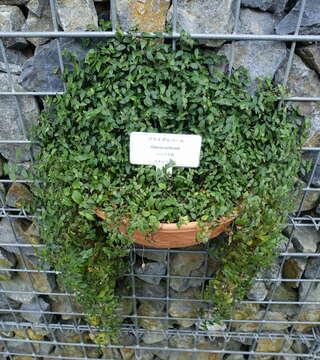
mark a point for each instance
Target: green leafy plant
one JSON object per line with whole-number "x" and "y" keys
{"x": 249, "y": 161}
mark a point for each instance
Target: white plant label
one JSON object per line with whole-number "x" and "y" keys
{"x": 159, "y": 149}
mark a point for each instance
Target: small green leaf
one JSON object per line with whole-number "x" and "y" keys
{"x": 76, "y": 196}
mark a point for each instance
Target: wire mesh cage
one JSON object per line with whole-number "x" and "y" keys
{"x": 40, "y": 318}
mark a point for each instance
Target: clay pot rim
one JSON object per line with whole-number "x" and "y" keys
{"x": 190, "y": 226}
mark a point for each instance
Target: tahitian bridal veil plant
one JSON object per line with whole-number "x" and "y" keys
{"x": 249, "y": 162}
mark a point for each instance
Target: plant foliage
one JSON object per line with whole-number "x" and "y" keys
{"x": 249, "y": 162}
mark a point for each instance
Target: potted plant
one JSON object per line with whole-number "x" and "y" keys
{"x": 248, "y": 166}
{"x": 176, "y": 235}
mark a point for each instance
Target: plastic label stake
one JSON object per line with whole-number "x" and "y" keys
{"x": 159, "y": 149}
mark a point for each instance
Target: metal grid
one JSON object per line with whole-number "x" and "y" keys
{"x": 51, "y": 323}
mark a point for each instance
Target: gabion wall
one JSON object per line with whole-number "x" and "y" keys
{"x": 161, "y": 319}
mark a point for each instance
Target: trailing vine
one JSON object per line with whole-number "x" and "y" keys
{"x": 249, "y": 162}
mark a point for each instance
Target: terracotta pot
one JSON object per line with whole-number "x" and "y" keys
{"x": 170, "y": 236}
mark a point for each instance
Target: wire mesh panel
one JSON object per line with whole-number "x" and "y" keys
{"x": 40, "y": 318}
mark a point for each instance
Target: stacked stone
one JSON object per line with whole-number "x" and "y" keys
{"x": 32, "y": 64}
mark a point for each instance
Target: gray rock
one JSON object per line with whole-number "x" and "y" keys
{"x": 41, "y": 281}
{"x": 29, "y": 282}
{"x": 66, "y": 334}
{"x": 108, "y": 353}
{"x": 312, "y": 156}
{"x": 312, "y": 270}
{"x": 185, "y": 309}
{"x": 285, "y": 294}
{"x": 181, "y": 342}
{"x": 146, "y": 355}
{"x": 303, "y": 81}
{"x": 269, "y": 326}
{"x": 283, "y": 246}
{"x": 244, "y": 312}
{"x": 8, "y": 324}
{"x": 126, "y": 339}
{"x": 293, "y": 269}
{"x": 70, "y": 351}
{"x": 8, "y": 261}
{"x": 179, "y": 284}
{"x": 150, "y": 309}
{"x": 39, "y": 73}
{"x": 258, "y": 291}
{"x": 39, "y": 23}
{"x": 202, "y": 272}
{"x": 70, "y": 336}
{"x": 185, "y": 355}
{"x": 310, "y": 23}
{"x": 197, "y": 17}
{"x": 152, "y": 255}
{"x": 235, "y": 357}
{"x": 231, "y": 345}
{"x": 149, "y": 15}
{"x": 15, "y": 59}
{"x": 127, "y": 353}
{"x": 310, "y": 201}
{"x": 304, "y": 239}
{"x": 15, "y": 232}
{"x": 24, "y": 347}
{"x": 150, "y": 268}
{"x": 203, "y": 354}
{"x": 277, "y": 6}
{"x": 37, "y": 333}
{"x": 62, "y": 305}
{"x": 10, "y": 127}
{"x": 36, "y": 6}
{"x": 160, "y": 354}
{"x": 309, "y": 291}
{"x": 271, "y": 345}
{"x": 153, "y": 337}
{"x": 12, "y": 19}
{"x": 76, "y": 14}
{"x": 35, "y": 307}
{"x": 43, "y": 348}
{"x": 149, "y": 290}
{"x": 182, "y": 264}
{"x": 125, "y": 307}
{"x": 7, "y": 303}
{"x": 18, "y": 195}
{"x": 271, "y": 272}
{"x": 311, "y": 56}
{"x": 20, "y": 282}
{"x": 308, "y": 318}
{"x": 32, "y": 233}
{"x": 73, "y": 351}
{"x": 310, "y": 198}
{"x": 256, "y": 22}
{"x": 300, "y": 347}
{"x": 261, "y": 58}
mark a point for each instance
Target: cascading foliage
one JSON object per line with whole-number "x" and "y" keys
{"x": 249, "y": 162}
